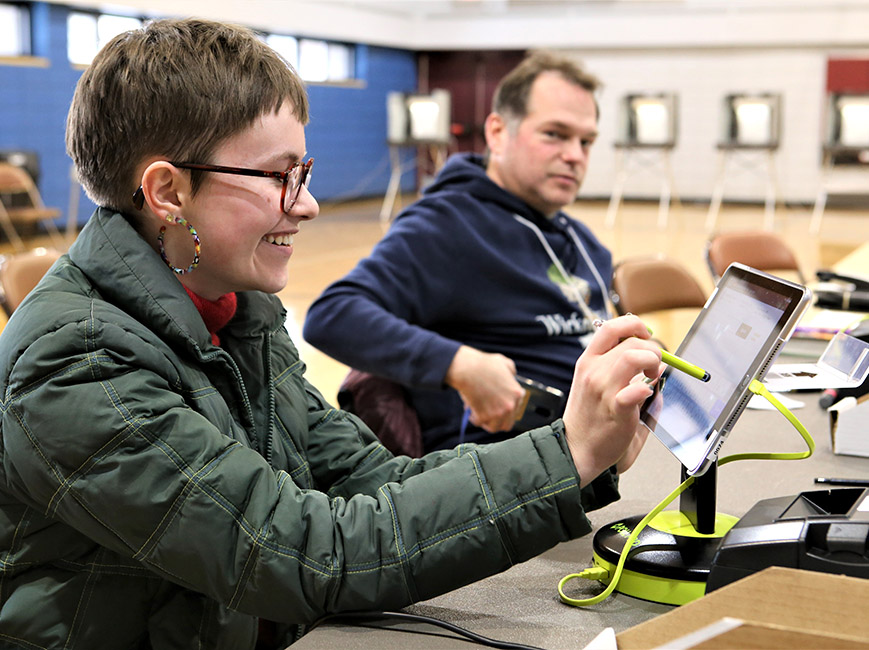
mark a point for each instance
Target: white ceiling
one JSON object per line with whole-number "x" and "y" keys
{"x": 521, "y": 24}
{"x": 518, "y": 8}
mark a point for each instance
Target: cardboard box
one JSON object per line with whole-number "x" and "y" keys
{"x": 775, "y": 608}
{"x": 849, "y": 426}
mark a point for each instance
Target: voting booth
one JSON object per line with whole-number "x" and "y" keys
{"x": 749, "y": 139}
{"x": 648, "y": 131}
{"x": 415, "y": 120}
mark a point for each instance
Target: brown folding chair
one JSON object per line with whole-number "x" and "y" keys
{"x": 759, "y": 249}
{"x": 646, "y": 284}
{"x": 660, "y": 289}
{"x": 21, "y": 272}
{"x": 20, "y": 202}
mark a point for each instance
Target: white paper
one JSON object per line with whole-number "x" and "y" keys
{"x": 606, "y": 640}
{"x": 854, "y": 130}
{"x": 653, "y": 122}
{"x": 851, "y": 435}
{"x": 754, "y": 122}
{"x": 760, "y": 403}
{"x": 695, "y": 638}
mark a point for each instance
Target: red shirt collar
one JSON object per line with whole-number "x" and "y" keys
{"x": 215, "y": 313}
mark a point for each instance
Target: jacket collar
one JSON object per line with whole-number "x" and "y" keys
{"x": 130, "y": 274}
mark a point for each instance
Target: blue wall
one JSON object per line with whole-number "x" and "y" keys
{"x": 347, "y": 133}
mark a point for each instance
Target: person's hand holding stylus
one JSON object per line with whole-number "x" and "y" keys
{"x": 673, "y": 361}
{"x": 602, "y": 415}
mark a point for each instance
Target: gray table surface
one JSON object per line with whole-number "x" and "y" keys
{"x": 521, "y": 605}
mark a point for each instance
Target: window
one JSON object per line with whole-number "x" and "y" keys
{"x": 286, "y": 46}
{"x": 14, "y": 30}
{"x": 316, "y": 60}
{"x": 340, "y": 62}
{"x": 87, "y": 33}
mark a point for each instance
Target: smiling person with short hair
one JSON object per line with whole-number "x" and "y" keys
{"x": 169, "y": 479}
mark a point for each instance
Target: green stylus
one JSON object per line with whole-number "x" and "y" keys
{"x": 671, "y": 359}
{"x": 680, "y": 364}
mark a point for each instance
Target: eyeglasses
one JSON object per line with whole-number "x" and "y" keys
{"x": 292, "y": 180}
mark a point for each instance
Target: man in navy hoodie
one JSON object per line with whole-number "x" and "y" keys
{"x": 484, "y": 277}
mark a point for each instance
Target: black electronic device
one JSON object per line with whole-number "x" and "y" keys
{"x": 821, "y": 530}
{"x": 541, "y": 405}
{"x": 855, "y": 282}
{"x": 846, "y": 292}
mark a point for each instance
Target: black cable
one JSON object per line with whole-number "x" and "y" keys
{"x": 352, "y": 617}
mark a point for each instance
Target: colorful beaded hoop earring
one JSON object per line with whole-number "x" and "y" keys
{"x": 197, "y": 246}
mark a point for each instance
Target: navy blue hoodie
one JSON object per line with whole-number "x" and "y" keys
{"x": 464, "y": 265}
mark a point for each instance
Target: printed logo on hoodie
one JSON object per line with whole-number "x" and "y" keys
{"x": 575, "y": 289}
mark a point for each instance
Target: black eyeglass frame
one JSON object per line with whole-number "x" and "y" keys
{"x": 299, "y": 171}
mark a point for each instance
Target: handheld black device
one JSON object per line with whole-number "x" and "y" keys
{"x": 541, "y": 405}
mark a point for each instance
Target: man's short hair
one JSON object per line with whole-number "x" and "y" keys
{"x": 511, "y": 95}
{"x": 175, "y": 88}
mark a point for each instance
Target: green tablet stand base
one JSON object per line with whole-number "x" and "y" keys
{"x": 672, "y": 557}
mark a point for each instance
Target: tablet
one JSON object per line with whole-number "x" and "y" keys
{"x": 735, "y": 338}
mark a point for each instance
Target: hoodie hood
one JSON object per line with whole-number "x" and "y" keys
{"x": 465, "y": 173}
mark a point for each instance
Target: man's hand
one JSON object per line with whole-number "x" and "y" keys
{"x": 601, "y": 418}
{"x": 487, "y": 385}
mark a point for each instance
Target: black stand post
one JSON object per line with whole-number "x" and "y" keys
{"x": 697, "y": 502}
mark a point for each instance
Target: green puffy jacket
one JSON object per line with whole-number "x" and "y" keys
{"x": 157, "y": 491}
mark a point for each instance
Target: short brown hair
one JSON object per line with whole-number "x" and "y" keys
{"x": 511, "y": 95}
{"x": 175, "y": 88}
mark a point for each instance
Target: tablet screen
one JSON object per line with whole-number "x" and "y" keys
{"x": 735, "y": 337}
